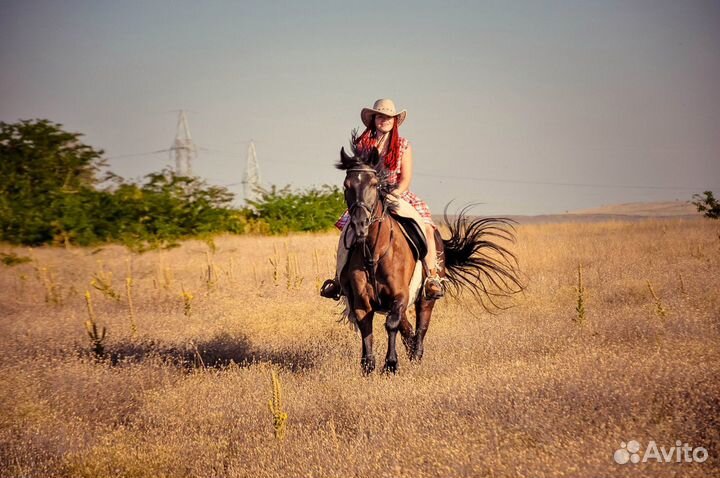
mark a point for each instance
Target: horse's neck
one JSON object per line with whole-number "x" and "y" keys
{"x": 375, "y": 231}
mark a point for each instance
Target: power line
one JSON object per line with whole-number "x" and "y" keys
{"x": 554, "y": 183}
{"x": 183, "y": 149}
{"x": 450, "y": 176}
{"x": 134, "y": 155}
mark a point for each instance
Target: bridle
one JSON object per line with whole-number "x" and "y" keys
{"x": 370, "y": 209}
{"x": 369, "y": 261}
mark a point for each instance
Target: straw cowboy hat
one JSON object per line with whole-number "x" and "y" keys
{"x": 382, "y": 106}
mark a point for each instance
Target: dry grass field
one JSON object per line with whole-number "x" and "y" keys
{"x": 533, "y": 391}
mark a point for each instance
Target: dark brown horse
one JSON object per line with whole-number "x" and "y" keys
{"x": 380, "y": 264}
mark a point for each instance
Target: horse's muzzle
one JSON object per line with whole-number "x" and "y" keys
{"x": 361, "y": 228}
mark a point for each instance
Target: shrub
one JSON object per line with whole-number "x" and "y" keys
{"x": 708, "y": 204}
{"x": 285, "y": 210}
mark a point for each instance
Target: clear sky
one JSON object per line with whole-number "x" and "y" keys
{"x": 526, "y": 106}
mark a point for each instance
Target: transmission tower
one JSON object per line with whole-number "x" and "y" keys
{"x": 251, "y": 179}
{"x": 183, "y": 148}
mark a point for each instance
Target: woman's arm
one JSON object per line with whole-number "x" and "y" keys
{"x": 406, "y": 171}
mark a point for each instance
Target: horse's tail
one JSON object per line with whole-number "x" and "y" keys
{"x": 474, "y": 261}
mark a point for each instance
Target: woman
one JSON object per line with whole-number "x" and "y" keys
{"x": 381, "y": 132}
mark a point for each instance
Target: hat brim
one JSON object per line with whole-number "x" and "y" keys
{"x": 367, "y": 114}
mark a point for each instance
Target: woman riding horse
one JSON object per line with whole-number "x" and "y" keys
{"x": 382, "y": 124}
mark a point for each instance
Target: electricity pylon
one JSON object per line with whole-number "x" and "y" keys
{"x": 183, "y": 148}
{"x": 251, "y": 178}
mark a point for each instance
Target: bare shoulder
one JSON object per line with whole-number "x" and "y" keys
{"x": 408, "y": 151}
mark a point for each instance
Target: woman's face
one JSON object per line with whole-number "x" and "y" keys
{"x": 384, "y": 123}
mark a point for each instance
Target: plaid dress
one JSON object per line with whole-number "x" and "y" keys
{"x": 394, "y": 177}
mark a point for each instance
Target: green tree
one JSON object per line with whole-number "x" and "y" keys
{"x": 707, "y": 204}
{"x": 49, "y": 193}
{"x": 47, "y": 175}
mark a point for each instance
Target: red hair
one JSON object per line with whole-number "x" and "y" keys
{"x": 366, "y": 141}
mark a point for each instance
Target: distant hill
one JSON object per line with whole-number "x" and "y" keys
{"x": 618, "y": 212}
{"x": 635, "y": 211}
{"x": 671, "y": 208}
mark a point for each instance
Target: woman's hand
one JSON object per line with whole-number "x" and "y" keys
{"x": 392, "y": 199}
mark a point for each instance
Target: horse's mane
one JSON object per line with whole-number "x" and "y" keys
{"x": 354, "y": 145}
{"x": 363, "y": 159}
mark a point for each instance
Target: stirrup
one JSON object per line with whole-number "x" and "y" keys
{"x": 331, "y": 289}
{"x": 434, "y": 281}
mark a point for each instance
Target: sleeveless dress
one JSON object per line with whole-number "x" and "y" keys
{"x": 394, "y": 177}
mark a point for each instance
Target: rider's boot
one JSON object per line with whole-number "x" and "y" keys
{"x": 433, "y": 288}
{"x": 331, "y": 289}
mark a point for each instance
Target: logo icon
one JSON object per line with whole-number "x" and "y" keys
{"x": 628, "y": 452}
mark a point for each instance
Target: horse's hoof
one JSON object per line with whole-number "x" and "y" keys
{"x": 368, "y": 366}
{"x": 391, "y": 367}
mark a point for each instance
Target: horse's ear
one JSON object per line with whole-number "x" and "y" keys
{"x": 374, "y": 157}
{"x": 344, "y": 158}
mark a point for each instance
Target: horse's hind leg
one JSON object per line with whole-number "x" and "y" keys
{"x": 424, "y": 307}
{"x": 392, "y": 325}
{"x": 423, "y": 311}
{"x": 408, "y": 335}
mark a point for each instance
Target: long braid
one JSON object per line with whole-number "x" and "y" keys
{"x": 394, "y": 150}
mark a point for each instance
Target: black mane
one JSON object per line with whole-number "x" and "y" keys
{"x": 363, "y": 160}
{"x": 359, "y": 159}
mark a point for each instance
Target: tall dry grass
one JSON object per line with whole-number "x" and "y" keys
{"x": 184, "y": 387}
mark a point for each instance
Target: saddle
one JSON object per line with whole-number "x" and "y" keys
{"x": 413, "y": 234}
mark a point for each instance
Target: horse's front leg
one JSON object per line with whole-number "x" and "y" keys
{"x": 365, "y": 324}
{"x": 392, "y": 325}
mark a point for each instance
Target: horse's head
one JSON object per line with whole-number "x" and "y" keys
{"x": 362, "y": 188}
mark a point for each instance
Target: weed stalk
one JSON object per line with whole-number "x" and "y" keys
{"x": 660, "y": 311}
{"x": 128, "y": 289}
{"x": 580, "y": 307}
{"x": 275, "y": 404}
{"x": 91, "y": 328}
